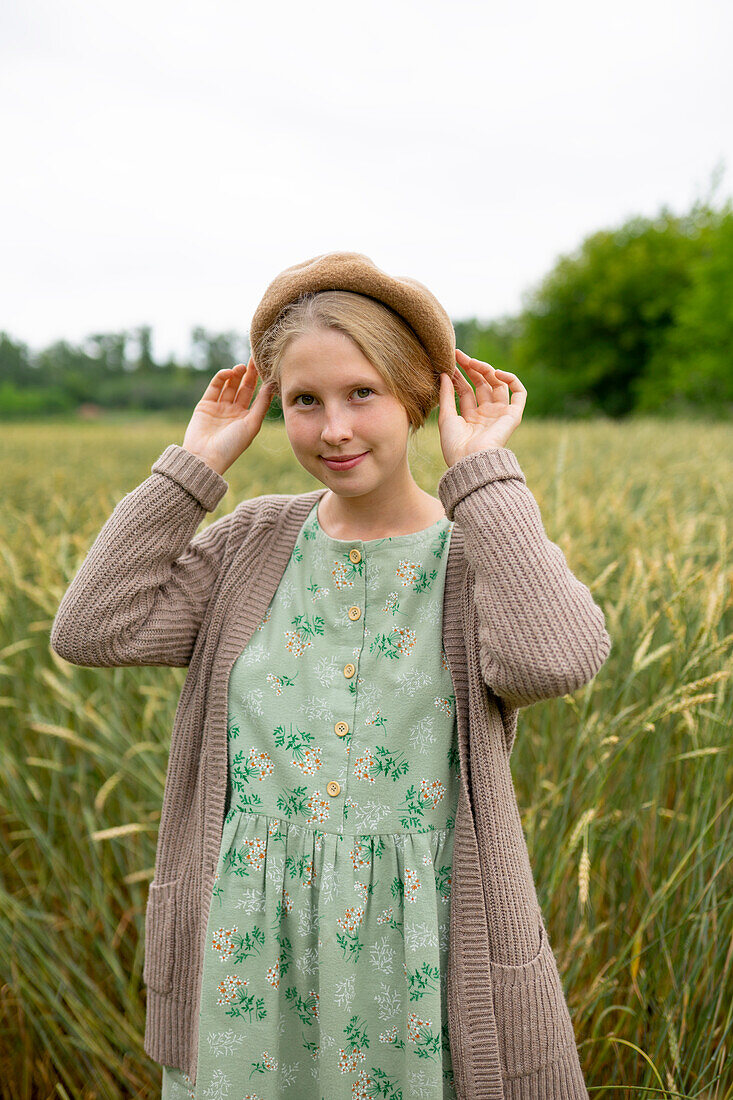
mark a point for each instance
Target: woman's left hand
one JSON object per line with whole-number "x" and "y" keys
{"x": 487, "y": 417}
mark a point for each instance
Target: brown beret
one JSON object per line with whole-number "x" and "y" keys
{"x": 354, "y": 271}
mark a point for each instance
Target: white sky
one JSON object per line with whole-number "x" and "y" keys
{"x": 164, "y": 161}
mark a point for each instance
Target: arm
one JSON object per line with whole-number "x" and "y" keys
{"x": 541, "y": 635}
{"x": 141, "y": 593}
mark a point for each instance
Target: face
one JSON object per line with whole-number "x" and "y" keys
{"x": 336, "y": 403}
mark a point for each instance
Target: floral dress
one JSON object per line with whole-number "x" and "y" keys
{"x": 327, "y": 941}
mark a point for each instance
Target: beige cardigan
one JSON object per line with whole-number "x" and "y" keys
{"x": 518, "y": 627}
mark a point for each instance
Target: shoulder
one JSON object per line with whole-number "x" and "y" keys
{"x": 268, "y": 508}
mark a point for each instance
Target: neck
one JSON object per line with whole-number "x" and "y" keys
{"x": 393, "y": 508}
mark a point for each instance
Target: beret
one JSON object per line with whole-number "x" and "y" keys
{"x": 353, "y": 271}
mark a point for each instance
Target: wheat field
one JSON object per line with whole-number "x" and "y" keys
{"x": 625, "y": 788}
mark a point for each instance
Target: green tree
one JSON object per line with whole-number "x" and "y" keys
{"x": 693, "y": 366}
{"x": 594, "y": 324}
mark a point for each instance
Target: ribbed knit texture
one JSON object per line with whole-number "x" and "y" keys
{"x": 518, "y": 627}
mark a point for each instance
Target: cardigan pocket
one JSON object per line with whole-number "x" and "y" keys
{"x": 160, "y": 914}
{"x": 532, "y": 1017}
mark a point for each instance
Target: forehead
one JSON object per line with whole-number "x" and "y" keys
{"x": 325, "y": 360}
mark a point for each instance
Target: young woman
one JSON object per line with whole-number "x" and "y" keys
{"x": 363, "y": 921}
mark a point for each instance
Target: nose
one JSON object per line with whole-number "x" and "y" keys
{"x": 336, "y": 428}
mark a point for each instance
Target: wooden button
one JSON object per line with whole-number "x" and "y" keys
{"x": 333, "y": 787}
{"x": 349, "y": 671}
{"x": 342, "y": 728}
{"x": 354, "y": 613}
{"x": 355, "y": 555}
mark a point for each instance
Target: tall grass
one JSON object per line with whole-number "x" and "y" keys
{"x": 625, "y": 787}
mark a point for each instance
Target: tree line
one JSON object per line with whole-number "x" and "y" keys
{"x": 638, "y": 320}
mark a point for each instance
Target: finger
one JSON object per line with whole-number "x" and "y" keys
{"x": 518, "y": 393}
{"x": 247, "y": 382}
{"x": 488, "y": 389}
{"x": 466, "y": 394}
{"x": 447, "y": 396}
{"x": 217, "y": 384}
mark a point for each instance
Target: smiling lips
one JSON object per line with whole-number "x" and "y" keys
{"x": 344, "y": 463}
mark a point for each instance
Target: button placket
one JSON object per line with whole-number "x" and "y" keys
{"x": 355, "y": 613}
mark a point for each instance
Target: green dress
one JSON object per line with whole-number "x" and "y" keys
{"x": 327, "y": 941}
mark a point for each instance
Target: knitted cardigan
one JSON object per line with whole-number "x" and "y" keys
{"x": 518, "y": 627}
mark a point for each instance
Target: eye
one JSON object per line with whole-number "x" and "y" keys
{"x": 359, "y": 389}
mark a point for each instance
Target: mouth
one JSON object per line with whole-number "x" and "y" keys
{"x": 345, "y": 463}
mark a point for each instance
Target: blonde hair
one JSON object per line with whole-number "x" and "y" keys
{"x": 381, "y": 334}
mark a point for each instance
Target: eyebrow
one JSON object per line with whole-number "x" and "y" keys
{"x": 296, "y": 390}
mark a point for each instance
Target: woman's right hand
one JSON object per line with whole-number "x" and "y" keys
{"x": 223, "y": 424}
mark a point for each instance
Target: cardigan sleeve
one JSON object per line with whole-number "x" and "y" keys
{"x": 541, "y": 634}
{"x": 140, "y": 594}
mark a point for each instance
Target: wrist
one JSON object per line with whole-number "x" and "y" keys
{"x": 212, "y": 463}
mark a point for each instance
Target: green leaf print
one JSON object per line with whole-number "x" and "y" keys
{"x": 236, "y": 862}
{"x": 427, "y": 1044}
{"x": 304, "y": 757}
{"x": 422, "y": 981}
{"x": 443, "y": 882}
{"x": 231, "y": 946}
{"x": 399, "y": 641}
{"x": 248, "y": 803}
{"x": 242, "y": 768}
{"x": 233, "y": 993}
{"x": 398, "y": 887}
{"x": 280, "y": 681}
{"x": 350, "y": 944}
{"x": 286, "y": 953}
{"x": 356, "y": 1033}
{"x": 306, "y": 627}
{"x": 376, "y": 1082}
{"x": 443, "y": 537}
{"x": 316, "y": 590}
{"x": 300, "y": 868}
{"x": 424, "y": 580}
{"x": 265, "y": 1065}
{"x": 454, "y": 758}
{"x": 411, "y": 808}
{"x": 293, "y": 801}
{"x": 306, "y": 1008}
{"x": 389, "y": 763}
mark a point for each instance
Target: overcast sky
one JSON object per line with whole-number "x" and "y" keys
{"x": 163, "y": 161}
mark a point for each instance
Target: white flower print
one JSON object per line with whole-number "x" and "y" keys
{"x": 326, "y": 670}
{"x": 370, "y": 694}
{"x": 307, "y": 960}
{"x": 307, "y": 922}
{"x": 412, "y": 682}
{"x": 288, "y": 1074}
{"x": 389, "y": 1001}
{"x": 251, "y": 702}
{"x": 251, "y": 900}
{"x": 372, "y": 575}
{"x": 344, "y": 992}
{"x": 315, "y": 710}
{"x": 430, "y": 613}
{"x": 219, "y": 1086}
{"x": 253, "y": 654}
{"x": 223, "y": 1043}
{"x": 368, "y": 814}
{"x": 275, "y": 871}
{"x": 420, "y": 936}
{"x": 421, "y": 735}
{"x": 421, "y": 1085}
{"x": 286, "y": 591}
{"x": 382, "y": 955}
